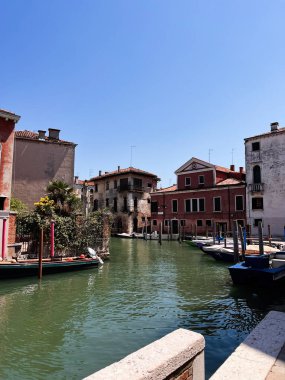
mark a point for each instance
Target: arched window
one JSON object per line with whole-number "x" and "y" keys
{"x": 256, "y": 174}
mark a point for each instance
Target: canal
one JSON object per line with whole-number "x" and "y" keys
{"x": 71, "y": 325}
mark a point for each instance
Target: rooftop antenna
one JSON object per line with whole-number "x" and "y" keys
{"x": 131, "y": 162}
{"x": 232, "y": 156}
{"x": 210, "y": 150}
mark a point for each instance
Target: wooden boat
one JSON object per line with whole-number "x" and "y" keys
{"x": 31, "y": 267}
{"x": 261, "y": 269}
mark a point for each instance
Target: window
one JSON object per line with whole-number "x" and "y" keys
{"x": 95, "y": 205}
{"x": 125, "y": 207}
{"x": 143, "y": 218}
{"x": 187, "y": 205}
{"x": 135, "y": 203}
{"x": 256, "y": 174}
{"x": 239, "y": 203}
{"x": 194, "y": 205}
{"x": 149, "y": 185}
{"x": 201, "y": 204}
{"x": 208, "y": 222}
{"x": 240, "y": 222}
{"x": 107, "y": 185}
{"x": 201, "y": 180}
{"x": 96, "y": 188}
{"x": 256, "y": 146}
{"x": 257, "y": 203}
{"x": 187, "y": 181}
{"x": 107, "y": 202}
{"x": 154, "y": 222}
{"x": 217, "y": 203}
{"x": 174, "y": 205}
{"x": 256, "y": 222}
{"x": 199, "y": 223}
{"x": 115, "y": 205}
{"x": 148, "y": 200}
{"x": 91, "y": 191}
{"x": 154, "y": 206}
{"x": 182, "y": 223}
{"x": 166, "y": 223}
{"x": 137, "y": 183}
{"x": 115, "y": 184}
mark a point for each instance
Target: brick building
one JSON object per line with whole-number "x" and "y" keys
{"x": 126, "y": 192}
{"x": 206, "y": 196}
{"x": 7, "y": 218}
{"x": 39, "y": 159}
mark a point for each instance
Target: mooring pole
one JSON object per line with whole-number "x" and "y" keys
{"x": 4, "y": 238}
{"x": 41, "y": 253}
{"x": 214, "y": 233}
{"x": 241, "y": 241}
{"x": 160, "y": 233}
{"x": 260, "y": 238}
{"x": 52, "y": 238}
{"x": 269, "y": 234}
{"x": 179, "y": 231}
{"x": 235, "y": 238}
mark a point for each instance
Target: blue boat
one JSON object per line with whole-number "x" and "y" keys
{"x": 259, "y": 270}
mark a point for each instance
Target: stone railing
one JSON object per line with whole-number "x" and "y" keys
{"x": 177, "y": 356}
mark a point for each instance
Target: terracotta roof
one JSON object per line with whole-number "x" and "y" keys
{"x": 223, "y": 169}
{"x": 124, "y": 171}
{"x": 165, "y": 189}
{"x": 279, "y": 130}
{"x": 9, "y": 115}
{"x": 230, "y": 181}
{"x": 28, "y": 135}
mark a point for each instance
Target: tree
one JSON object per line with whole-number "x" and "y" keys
{"x": 65, "y": 200}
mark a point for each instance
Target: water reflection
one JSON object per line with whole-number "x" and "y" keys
{"x": 70, "y": 325}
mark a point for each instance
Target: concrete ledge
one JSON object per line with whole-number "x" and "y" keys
{"x": 254, "y": 358}
{"x": 160, "y": 359}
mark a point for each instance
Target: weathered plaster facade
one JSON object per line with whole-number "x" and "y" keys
{"x": 265, "y": 177}
{"x": 7, "y": 126}
{"x": 38, "y": 160}
{"x": 126, "y": 192}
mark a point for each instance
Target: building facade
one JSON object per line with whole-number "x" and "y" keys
{"x": 7, "y": 218}
{"x": 39, "y": 159}
{"x": 206, "y": 198}
{"x": 265, "y": 177}
{"x": 126, "y": 192}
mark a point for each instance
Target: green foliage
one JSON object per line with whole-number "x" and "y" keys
{"x": 65, "y": 200}
{"x": 18, "y": 206}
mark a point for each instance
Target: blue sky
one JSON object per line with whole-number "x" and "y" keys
{"x": 172, "y": 78}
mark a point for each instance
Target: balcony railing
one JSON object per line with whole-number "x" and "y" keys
{"x": 256, "y": 187}
{"x": 133, "y": 188}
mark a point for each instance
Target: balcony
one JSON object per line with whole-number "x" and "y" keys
{"x": 256, "y": 187}
{"x": 131, "y": 188}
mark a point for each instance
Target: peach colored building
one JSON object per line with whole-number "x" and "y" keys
{"x": 7, "y": 218}
{"x": 39, "y": 159}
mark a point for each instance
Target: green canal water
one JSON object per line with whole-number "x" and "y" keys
{"x": 71, "y": 325}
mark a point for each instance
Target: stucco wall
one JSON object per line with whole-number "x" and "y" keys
{"x": 271, "y": 159}
{"x": 38, "y": 162}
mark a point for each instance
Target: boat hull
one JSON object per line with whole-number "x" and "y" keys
{"x": 15, "y": 270}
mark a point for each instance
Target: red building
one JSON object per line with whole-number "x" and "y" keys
{"x": 206, "y": 196}
{"x": 7, "y": 219}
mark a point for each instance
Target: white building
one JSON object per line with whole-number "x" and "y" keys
{"x": 265, "y": 178}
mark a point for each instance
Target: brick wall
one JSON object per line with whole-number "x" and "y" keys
{"x": 12, "y": 229}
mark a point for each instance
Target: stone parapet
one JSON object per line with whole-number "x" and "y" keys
{"x": 177, "y": 356}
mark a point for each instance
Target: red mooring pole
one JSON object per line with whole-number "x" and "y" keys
{"x": 4, "y": 238}
{"x": 52, "y": 239}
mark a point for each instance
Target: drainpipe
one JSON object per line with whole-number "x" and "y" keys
{"x": 4, "y": 238}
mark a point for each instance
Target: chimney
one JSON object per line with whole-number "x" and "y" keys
{"x": 232, "y": 168}
{"x": 241, "y": 169}
{"x": 41, "y": 134}
{"x": 53, "y": 133}
{"x": 274, "y": 126}
{"x": 100, "y": 173}
{"x": 119, "y": 168}
{"x": 76, "y": 179}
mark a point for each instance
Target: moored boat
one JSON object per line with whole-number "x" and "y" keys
{"x": 31, "y": 267}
